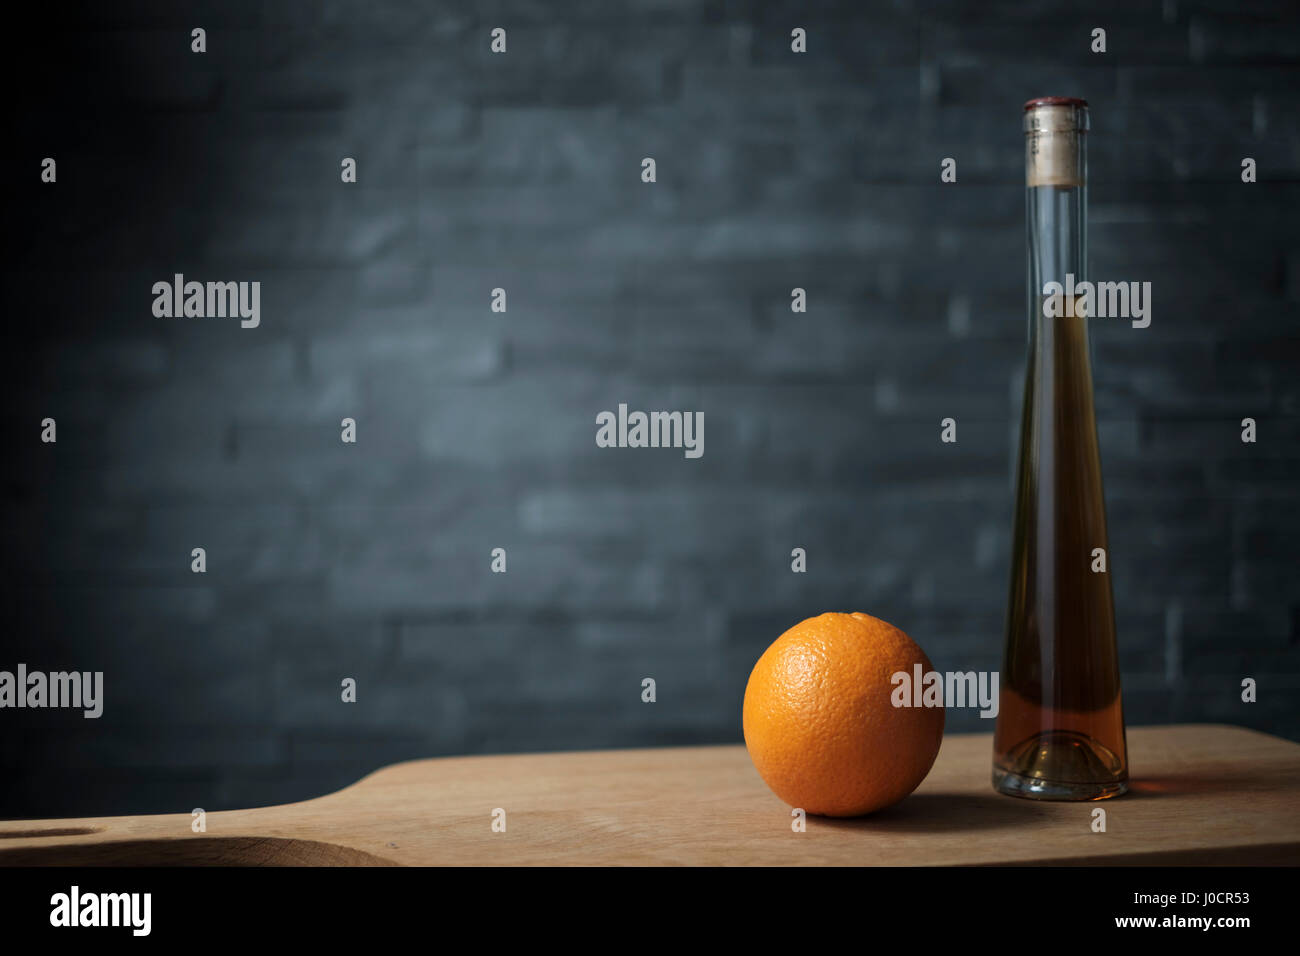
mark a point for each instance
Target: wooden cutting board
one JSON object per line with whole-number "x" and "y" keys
{"x": 1201, "y": 794}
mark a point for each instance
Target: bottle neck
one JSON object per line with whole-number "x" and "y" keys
{"x": 1057, "y": 222}
{"x": 1056, "y": 203}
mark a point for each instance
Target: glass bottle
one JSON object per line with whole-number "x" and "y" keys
{"x": 1060, "y": 724}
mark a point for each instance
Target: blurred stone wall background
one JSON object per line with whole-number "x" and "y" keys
{"x": 476, "y": 429}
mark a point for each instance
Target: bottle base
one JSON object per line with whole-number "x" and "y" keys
{"x": 1031, "y": 788}
{"x": 1060, "y": 765}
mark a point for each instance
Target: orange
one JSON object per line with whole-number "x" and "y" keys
{"x": 819, "y": 722}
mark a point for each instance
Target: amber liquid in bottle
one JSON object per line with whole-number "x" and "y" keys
{"x": 1060, "y": 725}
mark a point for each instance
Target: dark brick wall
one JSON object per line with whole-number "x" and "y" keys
{"x": 476, "y": 429}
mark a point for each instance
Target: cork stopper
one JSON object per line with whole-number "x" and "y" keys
{"x": 1055, "y": 127}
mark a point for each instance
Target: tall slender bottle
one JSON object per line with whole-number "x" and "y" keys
{"x": 1060, "y": 725}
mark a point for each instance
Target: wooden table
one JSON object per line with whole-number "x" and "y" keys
{"x": 1201, "y": 795}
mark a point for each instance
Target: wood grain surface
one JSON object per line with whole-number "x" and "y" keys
{"x": 1201, "y": 795}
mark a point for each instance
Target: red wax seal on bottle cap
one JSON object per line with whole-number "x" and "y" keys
{"x": 1056, "y": 101}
